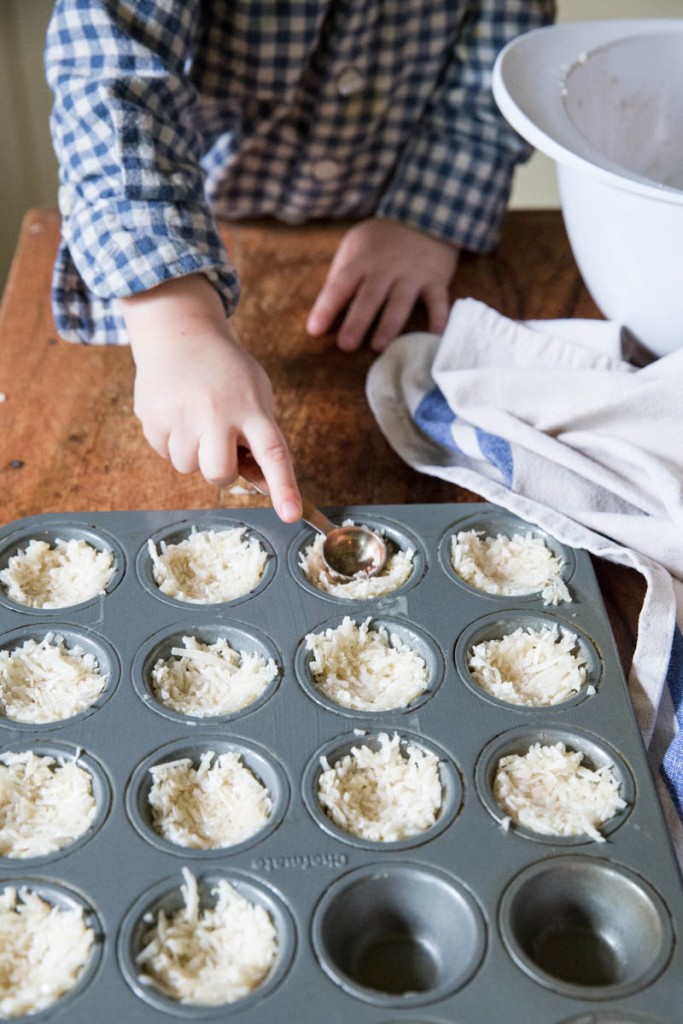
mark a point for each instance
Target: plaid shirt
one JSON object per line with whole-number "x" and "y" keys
{"x": 169, "y": 113}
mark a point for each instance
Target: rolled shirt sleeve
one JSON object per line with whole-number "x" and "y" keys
{"x": 453, "y": 178}
{"x": 132, "y": 189}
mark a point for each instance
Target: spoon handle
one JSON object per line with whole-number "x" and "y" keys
{"x": 314, "y": 517}
{"x": 251, "y": 471}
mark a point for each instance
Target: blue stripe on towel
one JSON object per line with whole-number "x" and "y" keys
{"x": 497, "y": 451}
{"x": 435, "y": 418}
{"x": 672, "y": 765}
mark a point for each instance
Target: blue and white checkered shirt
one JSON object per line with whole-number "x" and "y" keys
{"x": 169, "y": 113}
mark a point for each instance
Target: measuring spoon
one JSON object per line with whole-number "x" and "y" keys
{"x": 347, "y": 550}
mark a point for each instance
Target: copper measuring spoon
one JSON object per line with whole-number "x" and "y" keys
{"x": 347, "y": 550}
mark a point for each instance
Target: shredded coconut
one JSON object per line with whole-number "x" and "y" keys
{"x": 55, "y": 577}
{"x": 382, "y": 795}
{"x": 48, "y": 682}
{"x": 211, "y": 806}
{"x": 366, "y": 669}
{"x": 209, "y": 566}
{"x": 46, "y": 803}
{"x": 521, "y": 564}
{"x": 213, "y": 955}
{"x": 206, "y": 680}
{"x": 362, "y": 586}
{"x": 43, "y": 950}
{"x": 549, "y": 790}
{"x": 534, "y": 667}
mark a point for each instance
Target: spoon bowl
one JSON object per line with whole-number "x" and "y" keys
{"x": 348, "y": 551}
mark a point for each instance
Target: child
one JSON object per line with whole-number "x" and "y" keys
{"x": 171, "y": 112}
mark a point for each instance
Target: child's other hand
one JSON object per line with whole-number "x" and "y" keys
{"x": 379, "y": 272}
{"x": 199, "y": 394}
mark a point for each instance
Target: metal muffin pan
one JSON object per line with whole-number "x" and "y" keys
{"x": 465, "y": 924}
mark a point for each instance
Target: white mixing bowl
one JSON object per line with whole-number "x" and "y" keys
{"x": 604, "y": 99}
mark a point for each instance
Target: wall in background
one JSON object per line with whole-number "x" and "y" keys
{"x": 28, "y": 169}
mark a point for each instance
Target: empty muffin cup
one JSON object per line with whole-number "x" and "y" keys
{"x": 167, "y": 896}
{"x": 265, "y": 770}
{"x": 586, "y": 928}
{"x": 398, "y": 934}
{"x": 612, "y": 1017}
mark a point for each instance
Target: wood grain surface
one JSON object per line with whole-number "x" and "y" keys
{"x": 69, "y": 440}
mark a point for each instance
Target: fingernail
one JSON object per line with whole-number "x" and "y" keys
{"x": 290, "y": 511}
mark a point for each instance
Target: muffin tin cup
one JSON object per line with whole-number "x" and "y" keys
{"x": 179, "y": 531}
{"x": 596, "y": 754}
{"x": 498, "y": 625}
{"x": 240, "y": 636}
{"x": 341, "y": 746}
{"x": 491, "y": 522}
{"x": 397, "y": 538}
{"x": 64, "y": 898}
{"x": 266, "y": 770}
{"x": 399, "y": 934}
{"x": 612, "y": 1017}
{"x": 51, "y": 530}
{"x": 100, "y": 787}
{"x": 586, "y": 927}
{"x": 81, "y": 636}
{"x": 167, "y": 896}
{"x": 407, "y": 632}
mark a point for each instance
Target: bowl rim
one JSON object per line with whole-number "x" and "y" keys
{"x": 528, "y": 81}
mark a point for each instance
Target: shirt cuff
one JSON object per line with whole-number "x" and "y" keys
{"x": 454, "y": 193}
{"x": 126, "y": 248}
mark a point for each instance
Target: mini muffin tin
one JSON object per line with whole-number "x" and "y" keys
{"x": 465, "y": 924}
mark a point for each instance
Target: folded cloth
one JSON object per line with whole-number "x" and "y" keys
{"x": 566, "y": 435}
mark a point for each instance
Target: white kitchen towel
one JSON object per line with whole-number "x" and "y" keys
{"x": 546, "y": 420}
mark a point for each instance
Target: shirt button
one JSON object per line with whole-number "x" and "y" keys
{"x": 349, "y": 81}
{"x": 325, "y": 170}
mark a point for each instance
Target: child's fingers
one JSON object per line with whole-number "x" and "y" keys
{"x": 362, "y": 313}
{"x": 438, "y": 306}
{"x": 269, "y": 448}
{"x": 182, "y": 451}
{"x": 398, "y": 308}
{"x": 333, "y": 298}
{"x": 218, "y": 456}
{"x": 157, "y": 439}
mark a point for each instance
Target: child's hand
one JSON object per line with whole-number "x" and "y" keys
{"x": 199, "y": 394}
{"x": 381, "y": 269}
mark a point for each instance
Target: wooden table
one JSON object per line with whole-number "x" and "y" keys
{"x": 69, "y": 440}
